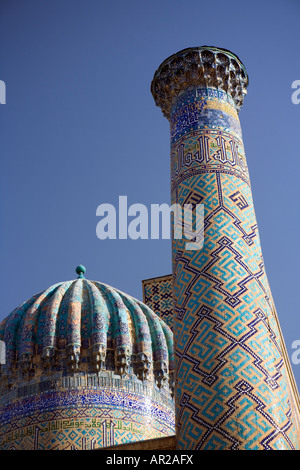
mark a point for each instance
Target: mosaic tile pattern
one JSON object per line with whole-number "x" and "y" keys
{"x": 234, "y": 385}
{"x": 82, "y": 351}
{"x": 158, "y": 295}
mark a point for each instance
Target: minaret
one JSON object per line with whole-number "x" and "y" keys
{"x": 234, "y": 384}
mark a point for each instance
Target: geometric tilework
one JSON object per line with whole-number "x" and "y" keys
{"x": 157, "y": 294}
{"x": 233, "y": 383}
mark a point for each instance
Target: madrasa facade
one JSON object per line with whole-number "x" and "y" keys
{"x": 201, "y": 363}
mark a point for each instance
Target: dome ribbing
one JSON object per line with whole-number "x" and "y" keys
{"x": 86, "y": 366}
{"x": 89, "y": 326}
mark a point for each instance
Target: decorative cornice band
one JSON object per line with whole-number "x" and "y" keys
{"x": 199, "y": 67}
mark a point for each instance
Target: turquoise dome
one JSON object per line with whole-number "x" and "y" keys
{"x": 86, "y": 367}
{"x": 83, "y": 325}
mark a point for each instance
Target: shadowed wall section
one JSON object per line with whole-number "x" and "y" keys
{"x": 158, "y": 295}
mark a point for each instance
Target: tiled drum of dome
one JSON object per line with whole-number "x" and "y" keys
{"x": 82, "y": 419}
{"x": 233, "y": 383}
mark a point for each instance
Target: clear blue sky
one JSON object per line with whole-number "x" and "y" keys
{"x": 80, "y": 128}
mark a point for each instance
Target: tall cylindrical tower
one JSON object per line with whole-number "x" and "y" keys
{"x": 234, "y": 384}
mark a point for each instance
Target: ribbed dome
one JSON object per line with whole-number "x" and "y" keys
{"x": 87, "y": 326}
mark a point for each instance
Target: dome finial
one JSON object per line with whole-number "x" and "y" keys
{"x": 80, "y": 270}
